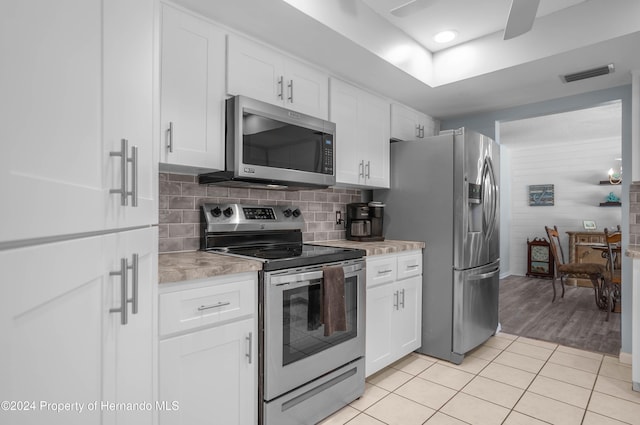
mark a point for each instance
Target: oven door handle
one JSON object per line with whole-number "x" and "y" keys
{"x": 304, "y": 277}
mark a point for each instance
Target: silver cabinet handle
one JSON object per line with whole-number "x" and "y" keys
{"x": 124, "y": 174}
{"x": 384, "y": 271}
{"x": 124, "y": 288}
{"x": 368, "y": 168}
{"x": 134, "y": 176}
{"x": 170, "y": 137}
{"x": 134, "y": 284}
{"x": 208, "y": 307}
{"x": 361, "y": 169}
{"x": 418, "y": 130}
{"x": 421, "y": 135}
{"x": 124, "y": 147}
{"x": 249, "y": 353}
{"x": 290, "y": 85}
{"x": 413, "y": 266}
{"x": 123, "y": 273}
{"x": 402, "y": 302}
{"x": 395, "y": 300}
{"x": 281, "y": 84}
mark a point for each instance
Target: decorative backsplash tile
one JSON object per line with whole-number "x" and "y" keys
{"x": 634, "y": 214}
{"x": 181, "y": 198}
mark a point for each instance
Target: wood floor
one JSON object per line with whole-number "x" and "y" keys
{"x": 574, "y": 321}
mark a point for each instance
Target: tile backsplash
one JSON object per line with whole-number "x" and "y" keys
{"x": 181, "y": 198}
{"x": 634, "y": 213}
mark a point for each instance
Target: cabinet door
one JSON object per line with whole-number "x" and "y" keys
{"x": 373, "y": 124}
{"x": 129, "y": 366}
{"x": 404, "y": 123}
{"x": 343, "y": 112}
{"x": 408, "y": 329}
{"x": 211, "y": 374}
{"x": 51, "y": 155}
{"x": 307, "y": 90}
{"x": 254, "y": 71}
{"x": 128, "y": 108}
{"x": 192, "y": 91}
{"x": 381, "y": 309}
{"x": 52, "y": 311}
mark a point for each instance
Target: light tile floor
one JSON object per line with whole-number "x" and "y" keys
{"x": 508, "y": 380}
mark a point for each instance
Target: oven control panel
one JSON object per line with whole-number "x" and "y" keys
{"x": 239, "y": 217}
{"x": 260, "y": 213}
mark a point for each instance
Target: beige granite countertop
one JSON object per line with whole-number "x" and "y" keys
{"x": 375, "y": 248}
{"x": 181, "y": 266}
{"x": 633, "y": 251}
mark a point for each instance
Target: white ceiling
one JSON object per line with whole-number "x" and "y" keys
{"x": 358, "y": 40}
{"x": 470, "y": 19}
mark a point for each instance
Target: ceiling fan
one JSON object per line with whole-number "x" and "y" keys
{"x": 520, "y": 19}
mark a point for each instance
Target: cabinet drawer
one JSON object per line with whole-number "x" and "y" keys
{"x": 380, "y": 270}
{"x": 192, "y": 308}
{"x": 409, "y": 265}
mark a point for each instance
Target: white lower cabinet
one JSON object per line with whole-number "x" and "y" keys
{"x": 208, "y": 351}
{"x": 62, "y": 343}
{"x": 394, "y": 308}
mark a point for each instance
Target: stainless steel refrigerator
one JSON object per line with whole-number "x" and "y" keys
{"x": 444, "y": 191}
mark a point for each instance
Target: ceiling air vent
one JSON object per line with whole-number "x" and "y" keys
{"x": 589, "y": 73}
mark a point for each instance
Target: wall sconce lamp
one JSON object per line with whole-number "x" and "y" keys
{"x": 615, "y": 176}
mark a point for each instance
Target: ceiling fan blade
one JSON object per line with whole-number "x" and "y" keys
{"x": 411, "y": 7}
{"x": 521, "y": 17}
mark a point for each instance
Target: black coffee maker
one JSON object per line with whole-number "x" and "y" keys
{"x": 364, "y": 221}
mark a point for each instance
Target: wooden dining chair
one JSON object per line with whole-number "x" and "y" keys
{"x": 613, "y": 273}
{"x": 595, "y": 272}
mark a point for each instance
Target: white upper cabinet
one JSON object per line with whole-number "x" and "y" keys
{"x": 362, "y": 136}
{"x": 62, "y": 120}
{"x": 128, "y": 64}
{"x": 192, "y": 92}
{"x": 409, "y": 125}
{"x": 258, "y": 72}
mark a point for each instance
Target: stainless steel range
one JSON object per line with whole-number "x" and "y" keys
{"x": 306, "y": 372}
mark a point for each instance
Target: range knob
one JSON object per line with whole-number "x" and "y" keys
{"x": 296, "y": 213}
{"x": 287, "y": 212}
{"x": 228, "y": 212}
{"x": 216, "y": 212}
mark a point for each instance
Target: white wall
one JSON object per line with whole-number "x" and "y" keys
{"x": 575, "y": 169}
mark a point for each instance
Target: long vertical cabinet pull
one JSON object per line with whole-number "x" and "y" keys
{"x": 281, "y": 87}
{"x": 170, "y": 137}
{"x": 361, "y": 169}
{"x": 368, "y": 168}
{"x": 124, "y": 147}
{"x": 124, "y": 288}
{"x": 124, "y": 174}
{"x": 402, "y": 302}
{"x": 134, "y": 284}
{"x": 290, "y": 85}
{"x": 134, "y": 176}
{"x": 123, "y": 273}
{"x": 249, "y": 353}
{"x": 395, "y": 300}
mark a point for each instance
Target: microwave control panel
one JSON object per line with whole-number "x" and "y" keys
{"x": 327, "y": 165}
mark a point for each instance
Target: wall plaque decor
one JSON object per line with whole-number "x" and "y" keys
{"x": 541, "y": 195}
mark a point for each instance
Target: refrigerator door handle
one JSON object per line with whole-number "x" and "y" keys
{"x": 489, "y": 198}
{"x": 483, "y": 275}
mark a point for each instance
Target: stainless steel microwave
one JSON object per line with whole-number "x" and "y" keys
{"x": 269, "y": 146}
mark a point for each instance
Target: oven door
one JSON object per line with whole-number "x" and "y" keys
{"x": 295, "y": 348}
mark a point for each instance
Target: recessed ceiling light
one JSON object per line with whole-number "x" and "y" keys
{"x": 445, "y": 36}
